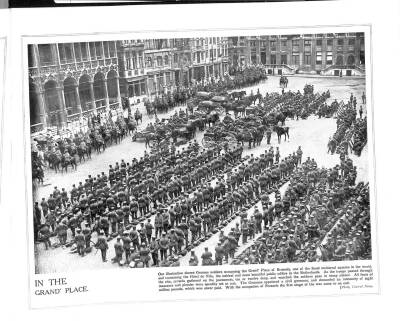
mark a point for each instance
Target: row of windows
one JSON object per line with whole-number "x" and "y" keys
{"x": 71, "y": 52}
{"x": 296, "y": 43}
{"x": 307, "y": 59}
{"x": 159, "y": 61}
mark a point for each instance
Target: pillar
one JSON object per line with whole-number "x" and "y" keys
{"x": 92, "y": 95}
{"x": 106, "y": 94}
{"x": 63, "y": 112}
{"x": 42, "y": 109}
{"x": 118, "y": 93}
{"x": 155, "y": 84}
{"x": 78, "y": 101}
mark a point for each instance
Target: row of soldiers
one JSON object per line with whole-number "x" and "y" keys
{"x": 206, "y": 219}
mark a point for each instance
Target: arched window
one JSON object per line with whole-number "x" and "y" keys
{"x": 99, "y": 90}
{"x": 350, "y": 60}
{"x": 70, "y": 96}
{"x": 85, "y": 93}
{"x": 112, "y": 86}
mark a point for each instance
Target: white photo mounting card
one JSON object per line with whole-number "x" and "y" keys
{"x": 193, "y": 161}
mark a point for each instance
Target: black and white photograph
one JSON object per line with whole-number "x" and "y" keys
{"x": 225, "y": 150}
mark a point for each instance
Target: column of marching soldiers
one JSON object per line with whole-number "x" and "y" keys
{"x": 186, "y": 193}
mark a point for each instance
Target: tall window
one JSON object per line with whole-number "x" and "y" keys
{"x": 307, "y": 59}
{"x": 92, "y": 51}
{"x": 272, "y": 45}
{"x": 307, "y": 45}
{"x": 61, "y": 53}
{"x": 77, "y": 49}
{"x": 111, "y": 47}
{"x": 318, "y": 60}
{"x": 319, "y": 42}
{"x": 84, "y": 51}
{"x": 283, "y": 43}
{"x": 283, "y": 59}
{"x": 295, "y": 45}
{"x": 351, "y": 41}
{"x": 329, "y": 59}
{"x": 69, "y": 53}
{"x": 106, "y": 50}
{"x": 340, "y": 42}
{"x": 295, "y": 59}
{"x": 99, "y": 50}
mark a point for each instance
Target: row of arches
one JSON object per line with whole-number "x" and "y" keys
{"x": 77, "y": 95}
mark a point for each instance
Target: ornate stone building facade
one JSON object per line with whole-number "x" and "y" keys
{"x": 69, "y": 80}
{"x": 327, "y": 54}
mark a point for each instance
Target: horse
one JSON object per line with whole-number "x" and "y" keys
{"x": 281, "y": 131}
{"x": 99, "y": 142}
{"x": 280, "y": 117}
{"x": 84, "y": 149}
{"x": 332, "y": 144}
{"x": 245, "y": 136}
{"x": 71, "y": 161}
{"x": 138, "y": 115}
{"x": 131, "y": 125}
{"x": 53, "y": 160}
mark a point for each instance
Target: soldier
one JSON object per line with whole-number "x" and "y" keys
{"x": 61, "y": 231}
{"x": 165, "y": 220}
{"x": 144, "y": 255}
{"x": 44, "y": 206}
{"x": 113, "y": 218}
{"x": 193, "y": 260}
{"x": 154, "y": 247}
{"x": 206, "y": 257}
{"x": 158, "y": 223}
{"x": 269, "y": 133}
{"x": 87, "y": 233}
{"x": 134, "y": 236}
{"x": 104, "y": 224}
{"x": 44, "y": 235}
{"x": 64, "y": 197}
{"x": 142, "y": 234}
{"x": 149, "y": 230}
{"x": 245, "y": 231}
{"x": 163, "y": 242}
{"x": 206, "y": 217}
{"x": 291, "y": 249}
{"x": 299, "y": 155}
{"x": 126, "y": 244}
{"x": 219, "y": 253}
{"x": 72, "y": 224}
{"x": 252, "y": 227}
{"x": 50, "y": 219}
{"x": 102, "y": 245}
{"x": 80, "y": 242}
{"x": 277, "y": 155}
